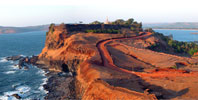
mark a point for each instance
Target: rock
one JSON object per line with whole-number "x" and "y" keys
{"x": 195, "y": 54}
{"x": 20, "y": 67}
{"x": 26, "y": 59}
{"x": 16, "y": 96}
{"x": 33, "y": 59}
{"x": 26, "y": 67}
{"x": 21, "y": 62}
{"x": 60, "y": 88}
{"x": 14, "y": 58}
{"x": 62, "y": 74}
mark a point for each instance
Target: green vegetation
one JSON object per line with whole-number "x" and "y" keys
{"x": 178, "y": 47}
{"x": 134, "y": 26}
{"x": 149, "y": 30}
{"x": 152, "y": 47}
{"x": 123, "y": 22}
{"x": 96, "y": 22}
{"x": 174, "y": 67}
{"x": 104, "y": 31}
{"x": 183, "y": 47}
{"x": 130, "y": 23}
{"x": 51, "y": 28}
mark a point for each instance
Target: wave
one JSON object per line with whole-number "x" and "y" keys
{"x": 44, "y": 81}
{"x": 15, "y": 85}
{"x": 3, "y": 60}
{"x": 9, "y": 72}
{"x": 41, "y": 72}
{"x": 22, "y": 91}
{"x": 7, "y": 98}
{"x": 8, "y": 95}
{"x": 14, "y": 66}
{"x": 22, "y": 55}
{"x": 41, "y": 87}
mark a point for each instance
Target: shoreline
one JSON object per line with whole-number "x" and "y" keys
{"x": 23, "y": 89}
{"x": 58, "y": 84}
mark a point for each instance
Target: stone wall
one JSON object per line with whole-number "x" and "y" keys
{"x": 75, "y": 28}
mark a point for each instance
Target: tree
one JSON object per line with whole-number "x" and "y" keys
{"x": 80, "y": 22}
{"x": 149, "y": 30}
{"x": 51, "y": 28}
{"x": 96, "y": 22}
{"x": 132, "y": 29}
{"x": 129, "y": 21}
{"x": 119, "y": 22}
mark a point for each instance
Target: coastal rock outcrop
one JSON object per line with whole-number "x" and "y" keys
{"x": 77, "y": 53}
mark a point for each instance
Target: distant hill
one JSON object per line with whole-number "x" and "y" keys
{"x": 178, "y": 25}
{"x": 8, "y": 30}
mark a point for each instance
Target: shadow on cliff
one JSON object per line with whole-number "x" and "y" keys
{"x": 135, "y": 83}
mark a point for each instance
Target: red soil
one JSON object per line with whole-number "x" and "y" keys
{"x": 108, "y": 62}
{"x": 97, "y": 82}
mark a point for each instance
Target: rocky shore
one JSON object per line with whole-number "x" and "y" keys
{"x": 59, "y": 85}
{"x": 76, "y": 70}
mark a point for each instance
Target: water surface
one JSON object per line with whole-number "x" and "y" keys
{"x": 180, "y": 35}
{"x": 27, "y": 83}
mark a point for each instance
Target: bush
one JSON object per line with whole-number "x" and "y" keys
{"x": 178, "y": 47}
{"x": 103, "y": 31}
{"x": 51, "y": 28}
{"x": 96, "y": 22}
{"x": 174, "y": 67}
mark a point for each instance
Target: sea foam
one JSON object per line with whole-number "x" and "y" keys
{"x": 41, "y": 72}
{"x": 14, "y": 66}
{"x": 9, "y": 72}
{"x": 2, "y": 60}
{"x": 22, "y": 91}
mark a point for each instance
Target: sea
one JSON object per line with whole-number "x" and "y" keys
{"x": 28, "y": 84}
{"x": 180, "y": 35}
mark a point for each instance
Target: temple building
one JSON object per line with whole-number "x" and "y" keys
{"x": 107, "y": 21}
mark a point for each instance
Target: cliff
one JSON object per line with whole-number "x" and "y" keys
{"x": 78, "y": 54}
{"x": 107, "y": 66}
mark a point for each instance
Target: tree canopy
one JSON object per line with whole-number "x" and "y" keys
{"x": 96, "y": 22}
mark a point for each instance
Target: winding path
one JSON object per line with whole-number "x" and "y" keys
{"x": 108, "y": 62}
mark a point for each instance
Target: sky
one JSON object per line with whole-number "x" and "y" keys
{"x": 38, "y": 12}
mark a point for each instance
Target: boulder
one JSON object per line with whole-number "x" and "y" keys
{"x": 14, "y": 58}
{"x": 21, "y": 62}
{"x": 26, "y": 67}
{"x": 16, "y": 96}
{"x": 33, "y": 59}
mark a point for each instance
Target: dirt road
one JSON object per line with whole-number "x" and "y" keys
{"x": 108, "y": 62}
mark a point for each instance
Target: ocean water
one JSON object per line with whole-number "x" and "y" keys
{"x": 26, "y": 83}
{"x": 180, "y": 35}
